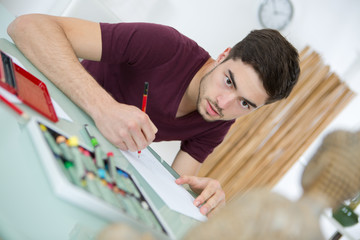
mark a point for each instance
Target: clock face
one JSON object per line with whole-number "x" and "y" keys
{"x": 275, "y": 14}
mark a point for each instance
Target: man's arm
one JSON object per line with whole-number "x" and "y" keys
{"x": 53, "y": 45}
{"x": 210, "y": 192}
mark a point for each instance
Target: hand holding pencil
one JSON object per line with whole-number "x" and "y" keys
{"x": 125, "y": 126}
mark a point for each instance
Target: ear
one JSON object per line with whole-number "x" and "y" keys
{"x": 223, "y": 55}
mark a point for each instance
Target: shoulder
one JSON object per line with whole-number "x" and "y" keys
{"x": 135, "y": 42}
{"x": 144, "y": 31}
{"x": 201, "y": 145}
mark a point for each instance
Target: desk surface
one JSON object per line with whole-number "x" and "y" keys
{"x": 29, "y": 208}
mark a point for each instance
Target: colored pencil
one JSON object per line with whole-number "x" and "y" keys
{"x": 14, "y": 107}
{"x": 144, "y": 102}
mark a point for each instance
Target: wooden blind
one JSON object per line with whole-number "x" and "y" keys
{"x": 261, "y": 147}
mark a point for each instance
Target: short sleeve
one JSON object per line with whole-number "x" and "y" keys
{"x": 138, "y": 44}
{"x": 201, "y": 146}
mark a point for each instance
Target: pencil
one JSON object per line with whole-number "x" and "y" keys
{"x": 145, "y": 97}
{"x": 14, "y": 107}
{"x": 144, "y": 101}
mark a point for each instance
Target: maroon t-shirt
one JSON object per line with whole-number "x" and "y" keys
{"x": 133, "y": 53}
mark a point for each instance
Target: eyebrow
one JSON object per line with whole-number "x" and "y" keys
{"x": 231, "y": 76}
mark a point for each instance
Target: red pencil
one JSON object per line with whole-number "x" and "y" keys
{"x": 144, "y": 102}
{"x": 14, "y": 107}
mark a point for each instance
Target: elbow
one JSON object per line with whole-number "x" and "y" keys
{"x": 20, "y": 27}
{"x": 15, "y": 26}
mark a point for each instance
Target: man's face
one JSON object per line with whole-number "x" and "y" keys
{"x": 232, "y": 89}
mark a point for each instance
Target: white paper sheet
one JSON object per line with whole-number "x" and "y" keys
{"x": 60, "y": 112}
{"x": 163, "y": 183}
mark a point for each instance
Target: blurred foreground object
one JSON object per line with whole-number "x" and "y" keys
{"x": 331, "y": 177}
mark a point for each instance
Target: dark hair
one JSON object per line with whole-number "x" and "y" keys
{"x": 274, "y": 59}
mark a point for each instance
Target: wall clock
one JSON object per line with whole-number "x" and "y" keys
{"x": 275, "y": 14}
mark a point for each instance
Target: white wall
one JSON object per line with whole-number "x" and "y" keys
{"x": 19, "y": 7}
{"x": 86, "y": 9}
{"x": 331, "y": 27}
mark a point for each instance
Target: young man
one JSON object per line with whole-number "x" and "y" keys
{"x": 192, "y": 97}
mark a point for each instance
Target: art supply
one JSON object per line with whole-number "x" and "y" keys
{"x": 111, "y": 165}
{"x": 144, "y": 102}
{"x": 124, "y": 182}
{"x": 91, "y": 185}
{"x": 103, "y": 181}
{"x": 66, "y": 153}
{"x": 7, "y": 78}
{"x": 99, "y": 158}
{"x": 51, "y": 141}
{"x": 69, "y": 166}
{"x": 103, "y": 174}
{"x": 88, "y": 161}
{"x": 56, "y": 150}
{"x": 29, "y": 89}
{"x": 14, "y": 107}
{"x": 73, "y": 143}
{"x": 99, "y": 153}
{"x": 93, "y": 140}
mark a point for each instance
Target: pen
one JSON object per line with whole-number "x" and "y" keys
{"x": 144, "y": 102}
{"x": 111, "y": 166}
{"x": 66, "y": 153}
{"x": 73, "y": 143}
{"x": 99, "y": 154}
{"x": 93, "y": 140}
{"x": 14, "y": 107}
{"x": 51, "y": 141}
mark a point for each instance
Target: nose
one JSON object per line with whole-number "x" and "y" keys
{"x": 226, "y": 100}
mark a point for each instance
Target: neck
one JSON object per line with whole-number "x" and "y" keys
{"x": 188, "y": 102}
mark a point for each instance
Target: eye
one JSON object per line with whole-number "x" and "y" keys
{"x": 228, "y": 82}
{"x": 244, "y": 104}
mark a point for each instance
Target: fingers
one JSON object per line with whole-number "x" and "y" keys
{"x": 122, "y": 146}
{"x": 185, "y": 180}
{"x": 136, "y": 140}
{"x": 128, "y": 141}
{"x": 213, "y": 202}
{"x": 143, "y": 133}
{"x": 127, "y": 127}
{"x": 211, "y": 197}
{"x": 147, "y": 133}
{"x": 136, "y": 130}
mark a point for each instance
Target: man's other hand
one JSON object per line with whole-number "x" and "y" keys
{"x": 211, "y": 196}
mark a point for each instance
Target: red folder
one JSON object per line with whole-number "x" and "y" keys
{"x": 32, "y": 91}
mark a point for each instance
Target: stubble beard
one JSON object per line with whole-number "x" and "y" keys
{"x": 204, "y": 114}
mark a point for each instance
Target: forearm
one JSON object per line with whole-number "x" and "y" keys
{"x": 184, "y": 164}
{"x": 53, "y": 45}
{"x": 45, "y": 43}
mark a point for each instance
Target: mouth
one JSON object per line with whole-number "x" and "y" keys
{"x": 212, "y": 110}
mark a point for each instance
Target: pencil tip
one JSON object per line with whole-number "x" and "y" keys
{"x": 25, "y": 116}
